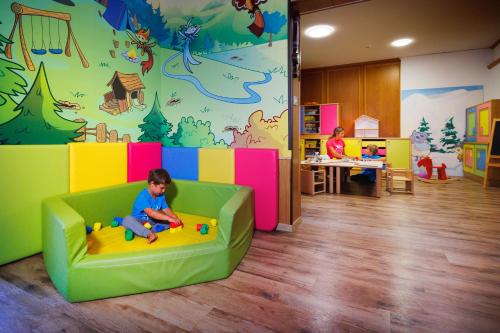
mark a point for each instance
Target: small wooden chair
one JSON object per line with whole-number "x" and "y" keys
{"x": 397, "y": 176}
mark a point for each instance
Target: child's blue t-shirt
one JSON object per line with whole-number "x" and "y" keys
{"x": 145, "y": 200}
{"x": 371, "y": 173}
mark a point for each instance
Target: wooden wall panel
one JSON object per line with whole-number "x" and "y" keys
{"x": 368, "y": 88}
{"x": 343, "y": 86}
{"x": 312, "y": 87}
{"x": 382, "y": 97}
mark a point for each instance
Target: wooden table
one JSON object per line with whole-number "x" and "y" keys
{"x": 339, "y": 164}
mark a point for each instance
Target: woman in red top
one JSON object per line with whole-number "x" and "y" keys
{"x": 335, "y": 145}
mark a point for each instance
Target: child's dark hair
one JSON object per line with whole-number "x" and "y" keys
{"x": 159, "y": 176}
{"x": 337, "y": 130}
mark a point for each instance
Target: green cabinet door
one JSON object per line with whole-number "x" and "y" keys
{"x": 398, "y": 153}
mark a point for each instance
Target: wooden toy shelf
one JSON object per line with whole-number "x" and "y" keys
{"x": 312, "y": 181}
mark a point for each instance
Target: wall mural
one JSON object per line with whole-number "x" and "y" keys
{"x": 195, "y": 73}
{"x": 434, "y": 119}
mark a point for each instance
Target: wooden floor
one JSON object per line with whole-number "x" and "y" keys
{"x": 401, "y": 263}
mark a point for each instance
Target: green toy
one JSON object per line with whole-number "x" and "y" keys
{"x": 129, "y": 235}
{"x": 204, "y": 229}
{"x": 114, "y": 224}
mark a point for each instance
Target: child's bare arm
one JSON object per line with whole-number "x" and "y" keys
{"x": 159, "y": 215}
{"x": 171, "y": 213}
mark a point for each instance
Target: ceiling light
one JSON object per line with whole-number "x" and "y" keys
{"x": 401, "y": 42}
{"x": 319, "y": 31}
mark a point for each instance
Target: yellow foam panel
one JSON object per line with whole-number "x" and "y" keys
{"x": 96, "y": 165}
{"x": 216, "y": 165}
{"x": 112, "y": 240}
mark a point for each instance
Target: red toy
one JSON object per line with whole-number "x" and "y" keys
{"x": 426, "y": 162}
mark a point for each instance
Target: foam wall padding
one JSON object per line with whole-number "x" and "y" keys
{"x": 216, "y": 165}
{"x": 181, "y": 162}
{"x": 28, "y": 174}
{"x": 259, "y": 169}
{"x": 96, "y": 165}
{"x": 142, "y": 157}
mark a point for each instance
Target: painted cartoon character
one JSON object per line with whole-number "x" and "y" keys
{"x": 460, "y": 153}
{"x": 257, "y": 27}
{"x": 420, "y": 145}
{"x": 142, "y": 39}
{"x": 188, "y": 33}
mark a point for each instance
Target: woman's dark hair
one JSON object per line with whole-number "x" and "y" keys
{"x": 337, "y": 129}
{"x": 159, "y": 176}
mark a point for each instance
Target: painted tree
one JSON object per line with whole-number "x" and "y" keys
{"x": 449, "y": 139}
{"x": 38, "y": 119}
{"x": 208, "y": 43}
{"x": 195, "y": 134}
{"x": 11, "y": 84}
{"x": 273, "y": 23}
{"x": 155, "y": 127}
{"x": 175, "y": 43}
{"x": 424, "y": 127}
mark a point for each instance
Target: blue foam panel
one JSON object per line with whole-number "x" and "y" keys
{"x": 180, "y": 162}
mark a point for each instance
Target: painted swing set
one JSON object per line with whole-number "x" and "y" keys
{"x": 19, "y": 10}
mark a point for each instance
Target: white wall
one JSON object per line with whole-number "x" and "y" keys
{"x": 464, "y": 68}
{"x": 493, "y": 90}
{"x": 445, "y": 70}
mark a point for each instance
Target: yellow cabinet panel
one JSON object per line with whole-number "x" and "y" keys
{"x": 398, "y": 153}
{"x": 352, "y": 147}
{"x": 302, "y": 149}
{"x": 322, "y": 150}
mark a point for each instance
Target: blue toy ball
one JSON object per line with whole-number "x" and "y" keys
{"x": 88, "y": 229}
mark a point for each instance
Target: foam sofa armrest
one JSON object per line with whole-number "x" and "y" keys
{"x": 63, "y": 238}
{"x": 236, "y": 218}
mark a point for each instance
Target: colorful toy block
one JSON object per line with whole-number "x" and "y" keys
{"x": 88, "y": 229}
{"x": 129, "y": 235}
{"x": 161, "y": 227}
{"x": 213, "y": 222}
{"x": 119, "y": 220}
{"x": 204, "y": 229}
{"x": 114, "y": 224}
{"x": 97, "y": 226}
{"x": 174, "y": 230}
{"x": 148, "y": 225}
{"x": 198, "y": 226}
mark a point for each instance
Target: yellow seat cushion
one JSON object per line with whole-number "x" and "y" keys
{"x": 112, "y": 240}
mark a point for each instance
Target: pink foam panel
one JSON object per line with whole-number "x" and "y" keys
{"x": 142, "y": 157}
{"x": 328, "y": 118}
{"x": 258, "y": 168}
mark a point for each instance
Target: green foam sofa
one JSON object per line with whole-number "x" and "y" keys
{"x": 79, "y": 276}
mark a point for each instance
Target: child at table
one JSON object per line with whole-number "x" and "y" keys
{"x": 150, "y": 206}
{"x": 335, "y": 144}
{"x": 368, "y": 175}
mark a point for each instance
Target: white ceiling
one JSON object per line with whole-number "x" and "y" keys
{"x": 364, "y": 30}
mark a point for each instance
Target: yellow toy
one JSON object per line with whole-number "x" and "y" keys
{"x": 213, "y": 222}
{"x": 148, "y": 225}
{"x": 97, "y": 226}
